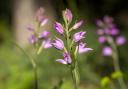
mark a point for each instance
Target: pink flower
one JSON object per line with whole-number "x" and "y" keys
{"x": 66, "y": 59}
{"x": 59, "y": 28}
{"x": 44, "y": 21}
{"x": 67, "y": 14}
{"x": 47, "y": 43}
{"x": 107, "y": 51}
{"x": 30, "y": 28}
{"x": 99, "y": 23}
{"x": 82, "y": 48}
{"x": 78, "y": 36}
{"x": 77, "y": 25}
{"x": 108, "y": 20}
{"x": 33, "y": 39}
{"x": 114, "y": 31}
{"x": 120, "y": 40}
{"x": 40, "y": 15}
{"x": 44, "y": 34}
{"x": 100, "y": 32}
{"x": 102, "y": 39}
{"x": 58, "y": 44}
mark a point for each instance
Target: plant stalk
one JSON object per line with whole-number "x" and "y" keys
{"x": 74, "y": 78}
{"x": 116, "y": 62}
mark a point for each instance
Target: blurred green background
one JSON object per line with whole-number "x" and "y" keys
{"x": 15, "y": 68}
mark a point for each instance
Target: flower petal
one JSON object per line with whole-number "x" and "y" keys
{"x": 61, "y": 61}
{"x": 77, "y": 25}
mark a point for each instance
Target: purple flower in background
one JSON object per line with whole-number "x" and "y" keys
{"x": 82, "y": 48}
{"x": 40, "y": 15}
{"x": 66, "y": 59}
{"x": 107, "y": 31}
{"x": 59, "y": 28}
{"x": 44, "y": 34}
{"x": 77, "y": 25}
{"x": 33, "y": 39}
{"x": 99, "y": 23}
{"x": 58, "y": 44}
{"x": 114, "y": 31}
{"x": 100, "y": 32}
{"x": 44, "y": 21}
{"x": 67, "y": 14}
{"x": 30, "y": 28}
{"x": 120, "y": 40}
{"x": 78, "y": 36}
{"x": 102, "y": 39}
{"x": 108, "y": 20}
{"x": 107, "y": 51}
{"x": 47, "y": 43}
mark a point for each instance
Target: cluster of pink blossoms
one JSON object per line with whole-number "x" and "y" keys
{"x": 39, "y": 37}
{"x": 106, "y": 28}
{"x": 72, "y": 41}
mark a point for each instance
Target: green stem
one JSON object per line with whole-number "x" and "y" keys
{"x": 116, "y": 62}
{"x": 74, "y": 78}
{"x": 74, "y": 65}
{"x": 36, "y": 78}
{"x": 33, "y": 65}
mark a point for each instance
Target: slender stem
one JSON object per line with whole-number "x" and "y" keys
{"x": 36, "y": 78}
{"x": 34, "y": 66}
{"x": 74, "y": 78}
{"x": 116, "y": 62}
{"x": 73, "y": 67}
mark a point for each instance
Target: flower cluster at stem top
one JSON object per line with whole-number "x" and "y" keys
{"x": 73, "y": 44}
{"x": 39, "y": 38}
{"x": 109, "y": 32}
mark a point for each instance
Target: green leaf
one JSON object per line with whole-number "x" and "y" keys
{"x": 116, "y": 75}
{"x": 105, "y": 80}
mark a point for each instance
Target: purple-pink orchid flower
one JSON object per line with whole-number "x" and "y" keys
{"x": 82, "y": 48}
{"x": 47, "y": 43}
{"x": 33, "y": 39}
{"x": 120, "y": 40}
{"x": 58, "y": 43}
{"x": 59, "y": 28}
{"x": 44, "y": 34}
{"x": 107, "y": 51}
{"x": 66, "y": 59}
{"x": 78, "y": 36}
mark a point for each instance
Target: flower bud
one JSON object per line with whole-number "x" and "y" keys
{"x": 59, "y": 28}
{"x": 77, "y": 25}
{"x": 67, "y": 15}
